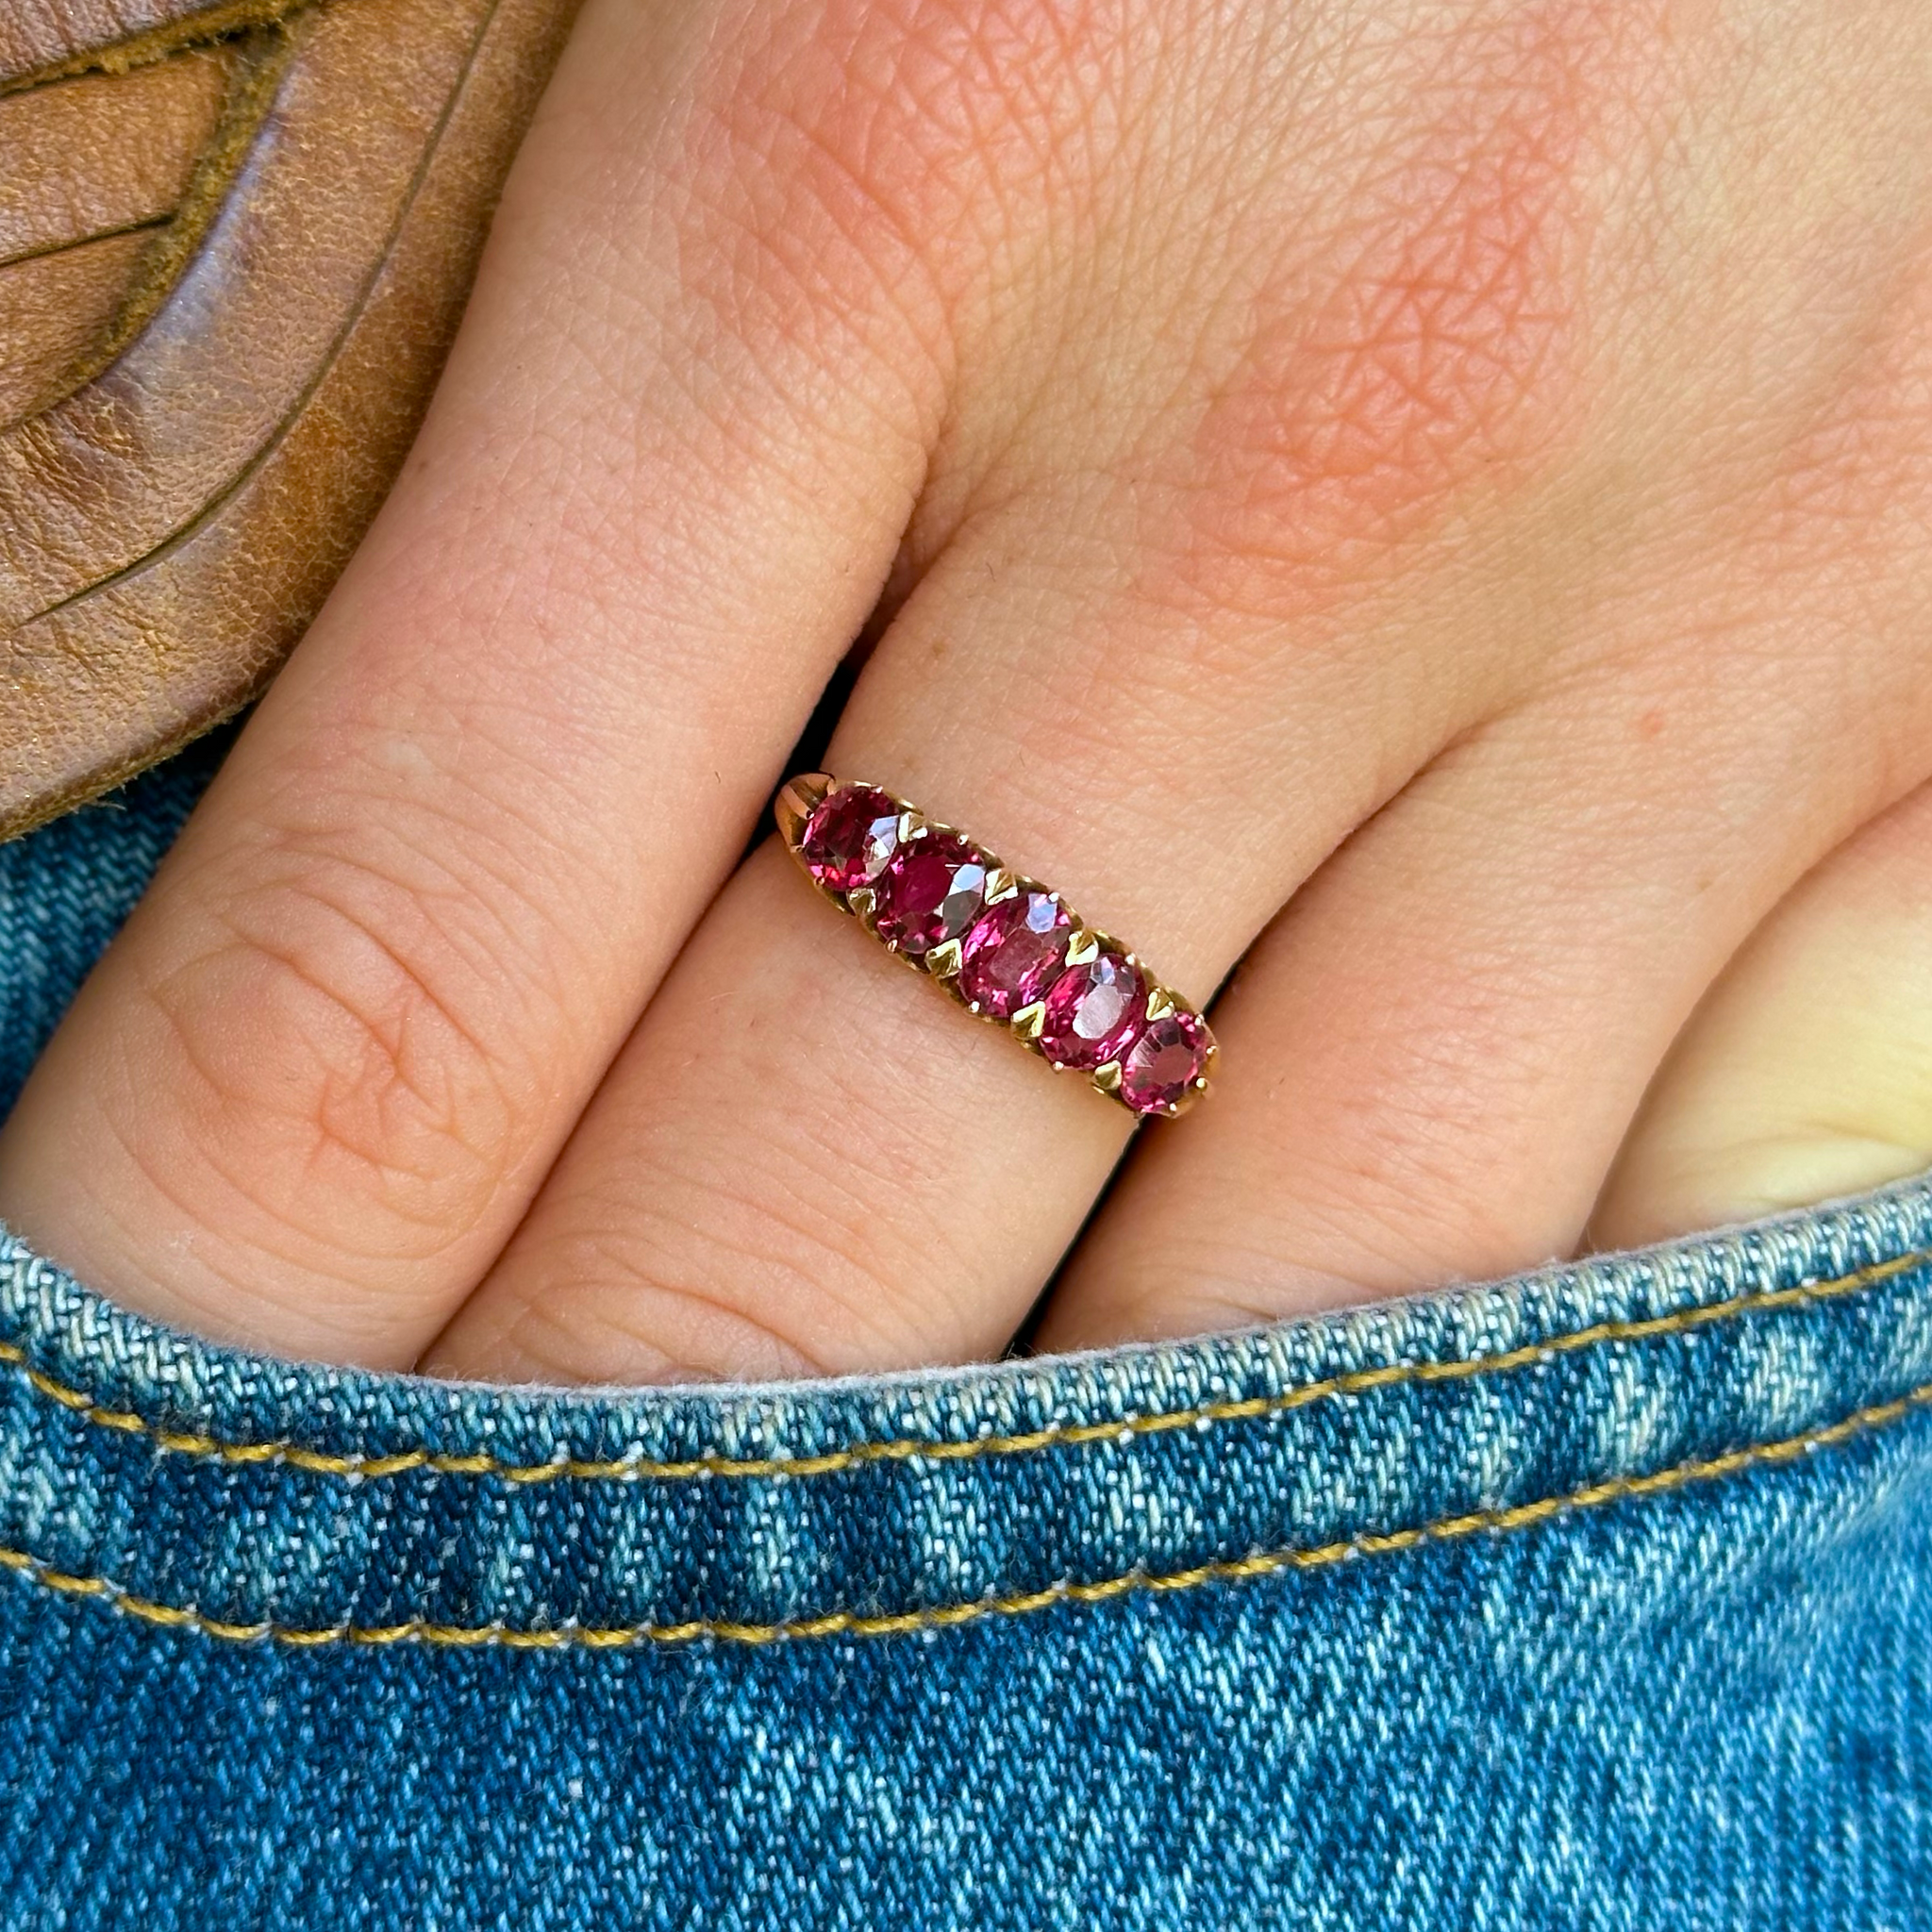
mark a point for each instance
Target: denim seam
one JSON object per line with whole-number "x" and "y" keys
{"x": 909, "y": 1449}
{"x": 951, "y": 1616}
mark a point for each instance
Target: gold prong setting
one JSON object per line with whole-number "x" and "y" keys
{"x": 1003, "y": 946}
{"x": 797, "y": 800}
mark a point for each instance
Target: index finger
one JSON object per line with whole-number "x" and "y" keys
{"x": 310, "y": 1091}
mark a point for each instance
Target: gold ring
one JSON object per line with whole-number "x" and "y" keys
{"x": 1001, "y": 944}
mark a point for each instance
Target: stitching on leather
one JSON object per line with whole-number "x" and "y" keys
{"x": 949, "y": 1616}
{"x": 909, "y": 1449}
{"x": 159, "y": 43}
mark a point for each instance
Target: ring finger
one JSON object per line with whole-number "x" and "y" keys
{"x": 804, "y": 1160}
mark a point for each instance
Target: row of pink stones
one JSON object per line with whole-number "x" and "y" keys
{"x": 1003, "y": 945}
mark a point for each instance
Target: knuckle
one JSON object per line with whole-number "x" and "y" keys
{"x": 910, "y": 139}
{"x": 680, "y": 1266}
{"x": 334, "y": 1063}
{"x": 1419, "y": 343}
{"x": 613, "y": 1322}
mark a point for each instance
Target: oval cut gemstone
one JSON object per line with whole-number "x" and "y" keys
{"x": 1091, "y": 1013}
{"x": 1164, "y": 1062}
{"x": 1012, "y": 955}
{"x": 932, "y": 891}
{"x": 849, "y": 841}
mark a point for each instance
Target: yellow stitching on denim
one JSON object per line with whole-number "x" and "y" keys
{"x": 911, "y": 1449}
{"x": 906, "y": 1622}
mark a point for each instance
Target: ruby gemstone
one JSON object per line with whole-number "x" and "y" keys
{"x": 932, "y": 891}
{"x": 850, "y": 838}
{"x": 1012, "y": 955}
{"x": 1093, "y": 1012}
{"x": 1164, "y": 1062}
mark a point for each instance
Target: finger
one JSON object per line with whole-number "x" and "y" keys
{"x": 803, "y": 1159}
{"x": 312, "y": 1087}
{"x": 1807, "y": 1070}
{"x": 1459, "y": 1017}
{"x": 1452, "y": 1027}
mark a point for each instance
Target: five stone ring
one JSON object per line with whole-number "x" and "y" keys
{"x": 1002, "y": 946}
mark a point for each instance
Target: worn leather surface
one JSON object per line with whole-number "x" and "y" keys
{"x": 234, "y": 243}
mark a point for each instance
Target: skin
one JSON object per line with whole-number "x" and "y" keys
{"x": 1422, "y": 507}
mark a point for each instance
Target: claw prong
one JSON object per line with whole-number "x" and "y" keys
{"x": 798, "y": 798}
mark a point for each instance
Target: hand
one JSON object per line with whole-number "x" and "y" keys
{"x": 1430, "y": 502}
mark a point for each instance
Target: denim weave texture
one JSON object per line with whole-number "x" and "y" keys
{"x": 1597, "y": 1598}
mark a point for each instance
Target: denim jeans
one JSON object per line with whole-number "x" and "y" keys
{"x": 1600, "y": 1597}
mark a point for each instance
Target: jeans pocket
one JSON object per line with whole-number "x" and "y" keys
{"x": 1577, "y": 1598}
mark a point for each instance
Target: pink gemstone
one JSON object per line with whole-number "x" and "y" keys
{"x": 851, "y": 837}
{"x": 931, "y": 892}
{"x": 1164, "y": 1062}
{"x": 1091, "y": 1013}
{"x": 1012, "y": 955}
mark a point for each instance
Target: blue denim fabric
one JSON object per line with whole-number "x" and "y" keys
{"x": 65, "y": 891}
{"x": 1600, "y": 1598}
